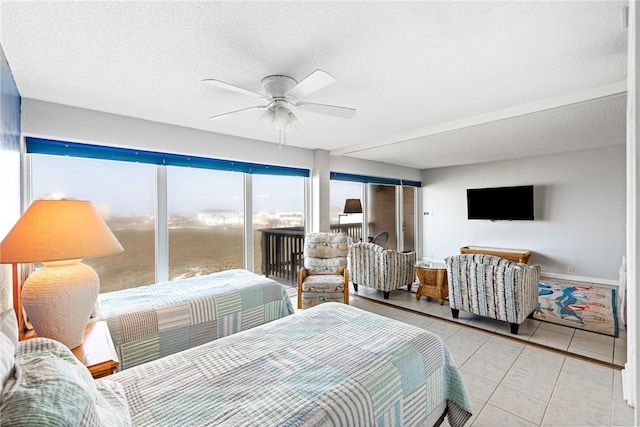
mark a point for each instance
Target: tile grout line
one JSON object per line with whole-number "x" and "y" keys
{"x": 500, "y": 383}
{"x": 555, "y": 386}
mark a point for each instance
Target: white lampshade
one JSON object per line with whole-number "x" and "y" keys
{"x": 268, "y": 116}
{"x": 59, "y": 297}
{"x": 282, "y": 117}
{"x": 57, "y": 230}
{"x": 293, "y": 120}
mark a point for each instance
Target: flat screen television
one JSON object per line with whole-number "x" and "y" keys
{"x": 500, "y": 203}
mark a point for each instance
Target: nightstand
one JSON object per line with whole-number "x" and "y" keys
{"x": 97, "y": 352}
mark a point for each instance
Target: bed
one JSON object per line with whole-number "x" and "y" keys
{"x": 330, "y": 365}
{"x": 153, "y": 321}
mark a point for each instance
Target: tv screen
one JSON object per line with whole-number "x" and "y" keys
{"x": 500, "y": 203}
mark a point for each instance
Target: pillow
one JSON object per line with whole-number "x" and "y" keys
{"x": 325, "y": 265}
{"x": 52, "y": 387}
{"x": 9, "y": 326}
{"x": 8, "y": 344}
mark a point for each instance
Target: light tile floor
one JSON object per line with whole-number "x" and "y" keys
{"x": 518, "y": 383}
{"x": 583, "y": 343}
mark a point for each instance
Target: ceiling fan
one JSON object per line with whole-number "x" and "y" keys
{"x": 282, "y": 92}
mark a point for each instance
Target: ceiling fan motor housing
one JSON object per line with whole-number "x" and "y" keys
{"x": 277, "y": 85}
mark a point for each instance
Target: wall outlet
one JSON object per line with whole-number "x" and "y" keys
{"x": 570, "y": 270}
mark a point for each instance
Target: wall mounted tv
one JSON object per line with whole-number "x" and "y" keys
{"x": 500, "y": 203}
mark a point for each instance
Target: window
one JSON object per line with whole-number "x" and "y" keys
{"x": 203, "y": 207}
{"x": 278, "y": 224}
{"x": 205, "y": 221}
{"x": 124, "y": 194}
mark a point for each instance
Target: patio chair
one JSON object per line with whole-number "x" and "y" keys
{"x": 380, "y": 239}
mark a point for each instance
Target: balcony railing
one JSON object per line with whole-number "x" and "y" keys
{"x": 282, "y": 250}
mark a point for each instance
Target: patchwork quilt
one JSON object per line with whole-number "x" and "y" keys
{"x": 330, "y": 365}
{"x": 153, "y": 321}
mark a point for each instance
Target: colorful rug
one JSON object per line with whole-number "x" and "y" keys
{"x": 592, "y": 308}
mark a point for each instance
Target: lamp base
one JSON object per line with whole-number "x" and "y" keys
{"x": 59, "y": 299}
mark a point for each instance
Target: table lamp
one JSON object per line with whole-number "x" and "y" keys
{"x": 59, "y": 297}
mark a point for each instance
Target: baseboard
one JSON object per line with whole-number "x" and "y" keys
{"x": 580, "y": 278}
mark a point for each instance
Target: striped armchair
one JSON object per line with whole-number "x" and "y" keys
{"x": 493, "y": 287}
{"x": 373, "y": 266}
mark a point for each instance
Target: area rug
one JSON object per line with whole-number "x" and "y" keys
{"x": 592, "y": 308}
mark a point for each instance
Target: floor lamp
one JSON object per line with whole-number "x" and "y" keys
{"x": 351, "y": 206}
{"x": 59, "y": 297}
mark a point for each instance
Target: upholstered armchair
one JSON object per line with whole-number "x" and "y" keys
{"x": 324, "y": 276}
{"x": 373, "y": 266}
{"x": 494, "y": 287}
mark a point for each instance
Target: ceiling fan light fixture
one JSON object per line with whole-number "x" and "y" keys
{"x": 282, "y": 117}
{"x": 293, "y": 120}
{"x": 268, "y": 116}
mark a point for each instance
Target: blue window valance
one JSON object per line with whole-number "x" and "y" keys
{"x": 339, "y": 176}
{"x": 91, "y": 151}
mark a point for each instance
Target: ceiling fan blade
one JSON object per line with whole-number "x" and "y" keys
{"x": 331, "y": 110}
{"x": 255, "y": 107}
{"x": 234, "y": 88}
{"x": 313, "y": 82}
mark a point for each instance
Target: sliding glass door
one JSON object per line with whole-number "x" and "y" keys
{"x": 381, "y": 214}
{"x": 278, "y": 225}
{"x": 408, "y": 224}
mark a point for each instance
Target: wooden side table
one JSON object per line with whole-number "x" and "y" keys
{"x": 517, "y": 255}
{"x": 433, "y": 280}
{"x": 97, "y": 352}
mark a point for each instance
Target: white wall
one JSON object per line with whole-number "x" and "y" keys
{"x": 351, "y": 165}
{"x": 62, "y": 122}
{"x": 580, "y": 211}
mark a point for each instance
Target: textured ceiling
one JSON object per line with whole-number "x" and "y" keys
{"x": 434, "y": 83}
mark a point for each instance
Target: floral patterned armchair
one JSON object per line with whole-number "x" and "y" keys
{"x": 325, "y": 276}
